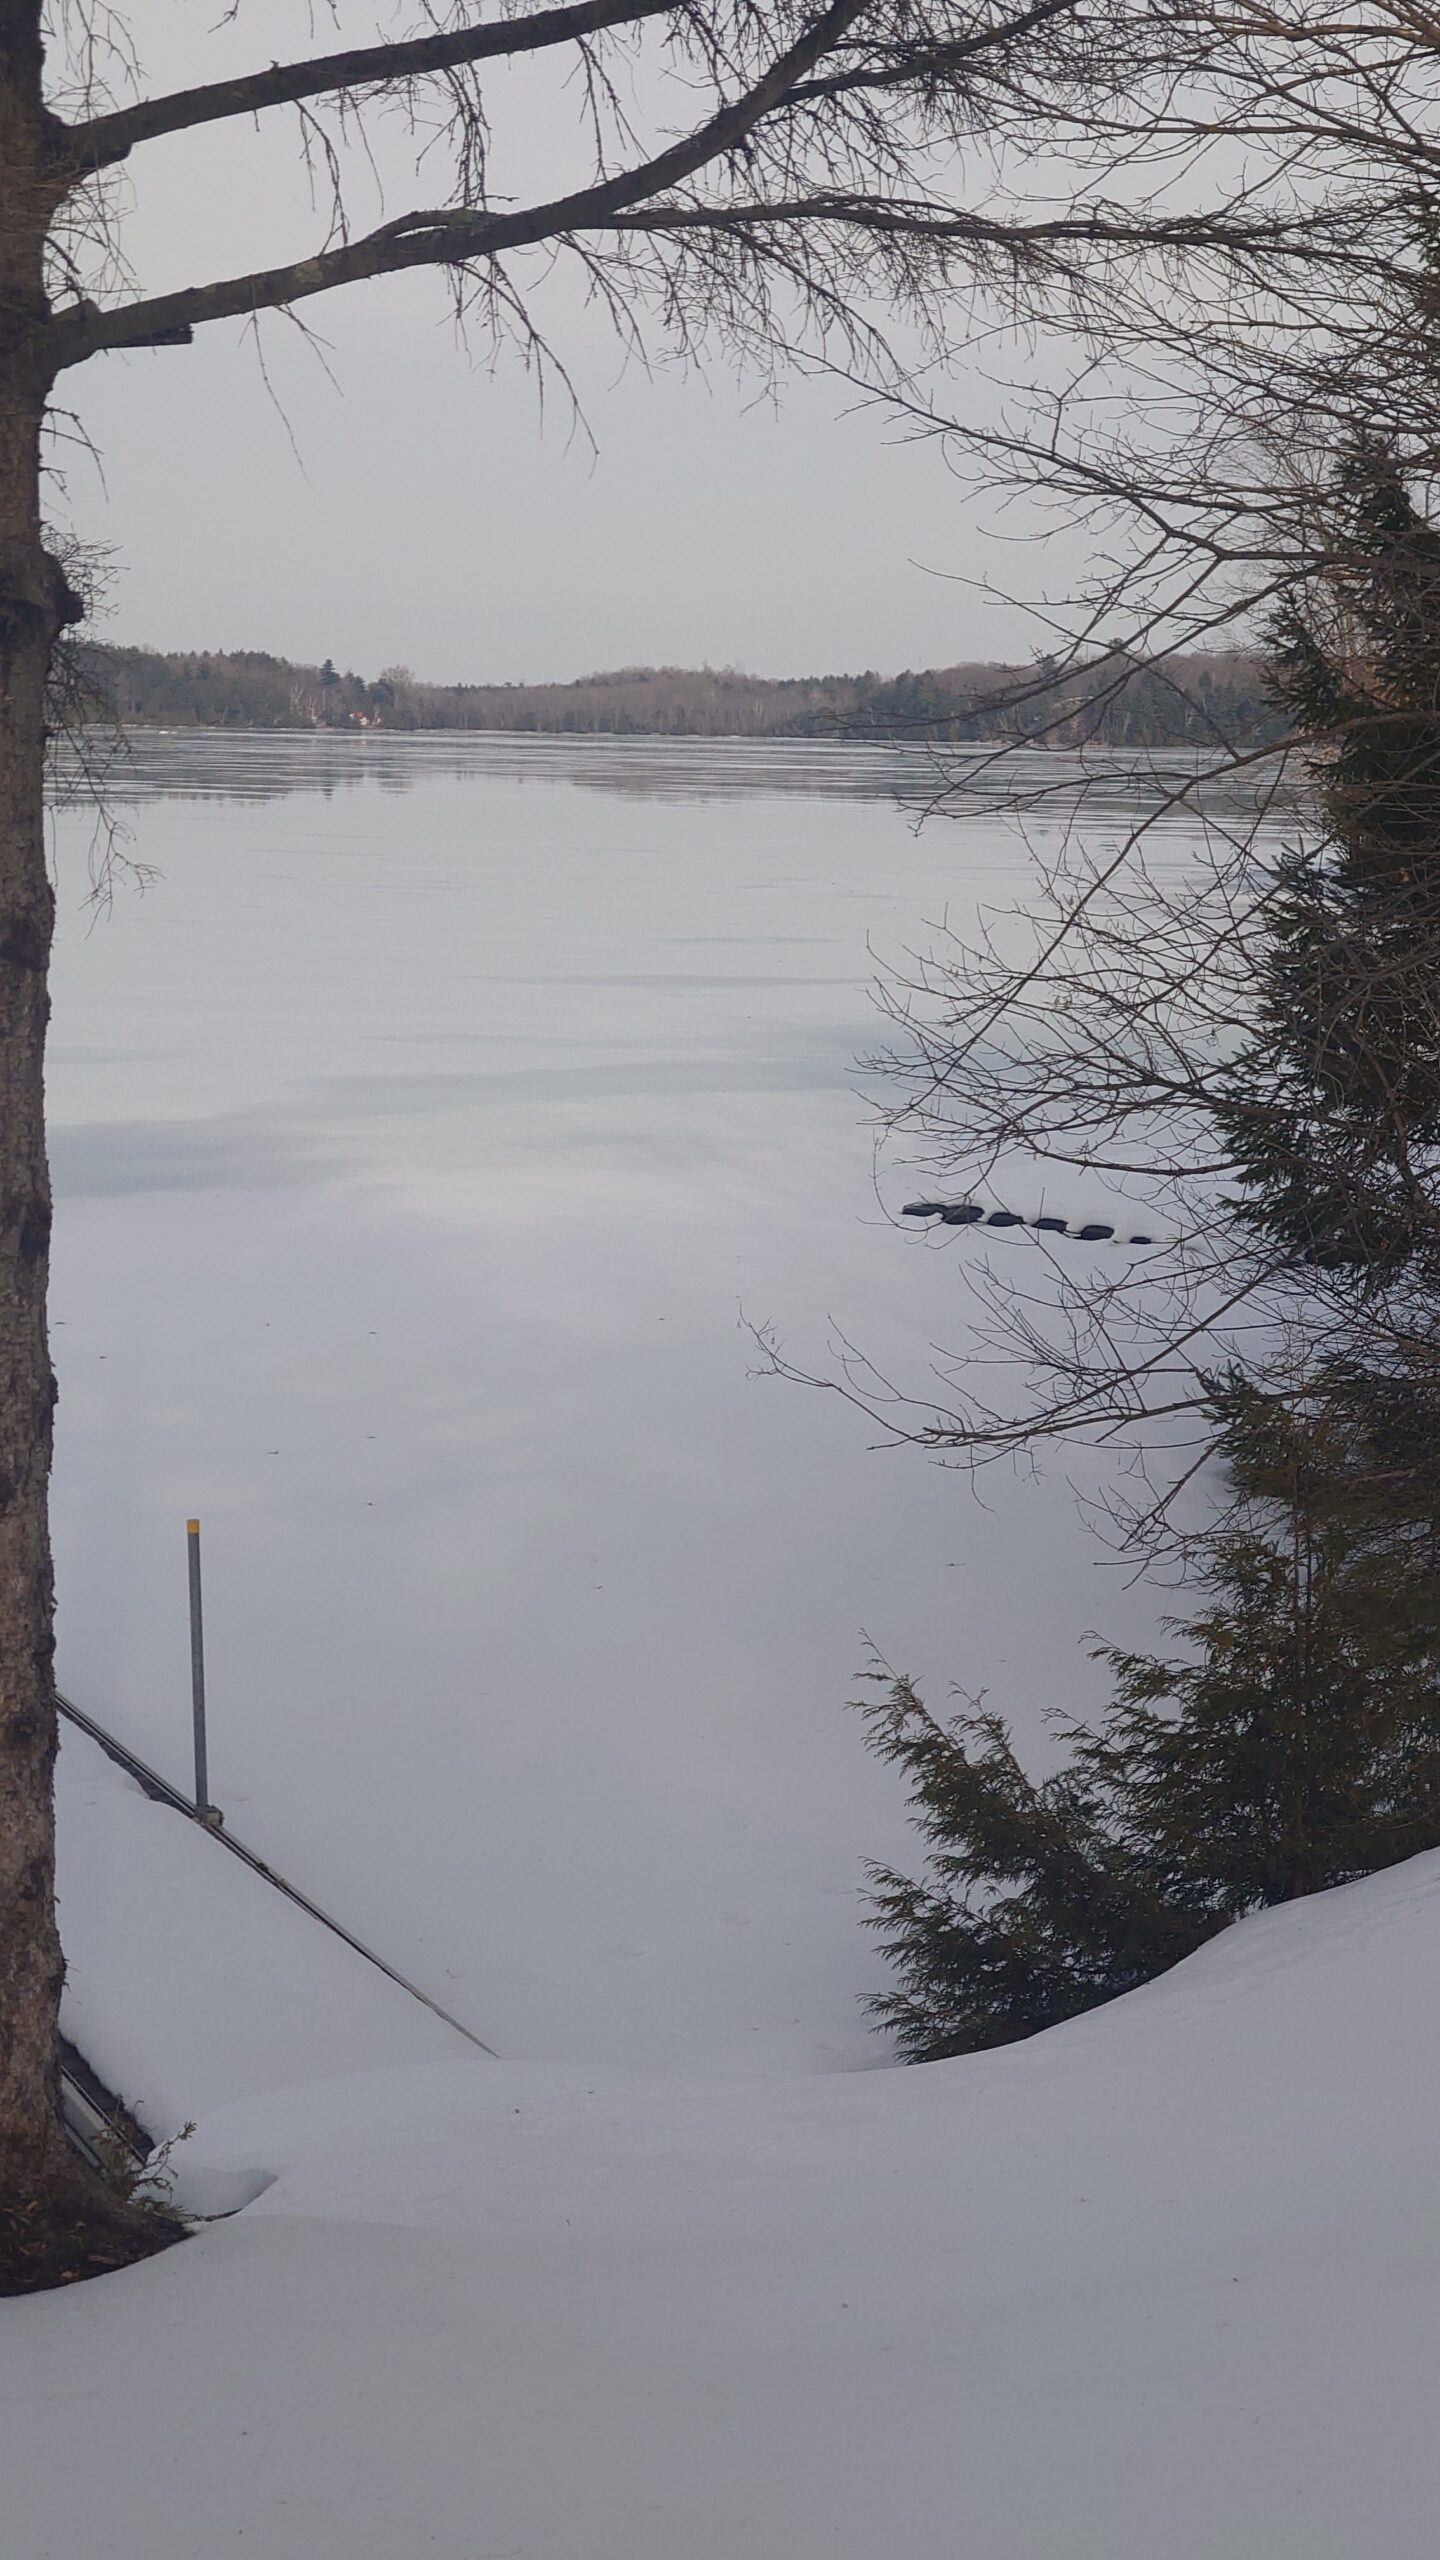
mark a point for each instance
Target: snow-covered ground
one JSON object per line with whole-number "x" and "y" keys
{"x": 1163, "y": 2284}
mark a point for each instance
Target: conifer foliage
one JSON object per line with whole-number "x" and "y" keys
{"x": 1333, "y": 1111}
{"x": 1291, "y": 1742}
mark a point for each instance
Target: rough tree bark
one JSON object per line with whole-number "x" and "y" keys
{"x": 35, "y": 604}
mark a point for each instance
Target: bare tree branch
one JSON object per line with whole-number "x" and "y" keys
{"x": 451, "y": 236}
{"x": 108, "y": 138}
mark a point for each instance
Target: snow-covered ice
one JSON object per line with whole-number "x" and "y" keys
{"x": 422, "y": 1134}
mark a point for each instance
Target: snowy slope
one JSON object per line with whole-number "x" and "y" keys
{"x": 1161, "y": 2285}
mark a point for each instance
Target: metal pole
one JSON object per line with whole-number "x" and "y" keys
{"x": 197, "y": 1670}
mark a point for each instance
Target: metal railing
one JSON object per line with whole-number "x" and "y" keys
{"x": 161, "y": 1791}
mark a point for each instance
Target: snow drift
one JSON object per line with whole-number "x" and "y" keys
{"x": 1159, "y": 2285}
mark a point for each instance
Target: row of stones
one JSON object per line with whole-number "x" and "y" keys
{"x": 968, "y": 1213}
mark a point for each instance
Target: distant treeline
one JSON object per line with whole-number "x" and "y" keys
{"x": 1123, "y": 702}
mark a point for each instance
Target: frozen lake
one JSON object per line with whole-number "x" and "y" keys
{"x": 426, "y": 1134}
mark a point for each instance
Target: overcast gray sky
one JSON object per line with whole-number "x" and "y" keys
{"x": 417, "y": 509}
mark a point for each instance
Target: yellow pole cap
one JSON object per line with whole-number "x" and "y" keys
{"x": 192, "y": 1528}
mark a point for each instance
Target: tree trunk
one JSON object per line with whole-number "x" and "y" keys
{"x": 34, "y": 603}
{"x": 55, "y": 2221}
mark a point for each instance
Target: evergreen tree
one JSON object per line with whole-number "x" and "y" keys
{"x": 1333, "y": 1111}
{"x": 1293, "y": 1743}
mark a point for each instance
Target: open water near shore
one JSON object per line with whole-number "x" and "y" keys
{"x": 428, "y": 1132}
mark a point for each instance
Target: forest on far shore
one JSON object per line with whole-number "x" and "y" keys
{"x": 1118, "y": 702}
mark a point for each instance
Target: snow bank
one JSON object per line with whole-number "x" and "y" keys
{"x": 1161, "y": 2285}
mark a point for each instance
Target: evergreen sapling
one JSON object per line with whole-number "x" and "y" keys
{"x": 1292, "y": 1742}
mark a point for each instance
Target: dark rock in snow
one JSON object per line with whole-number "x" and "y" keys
{"x": 971, "y": 1213}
